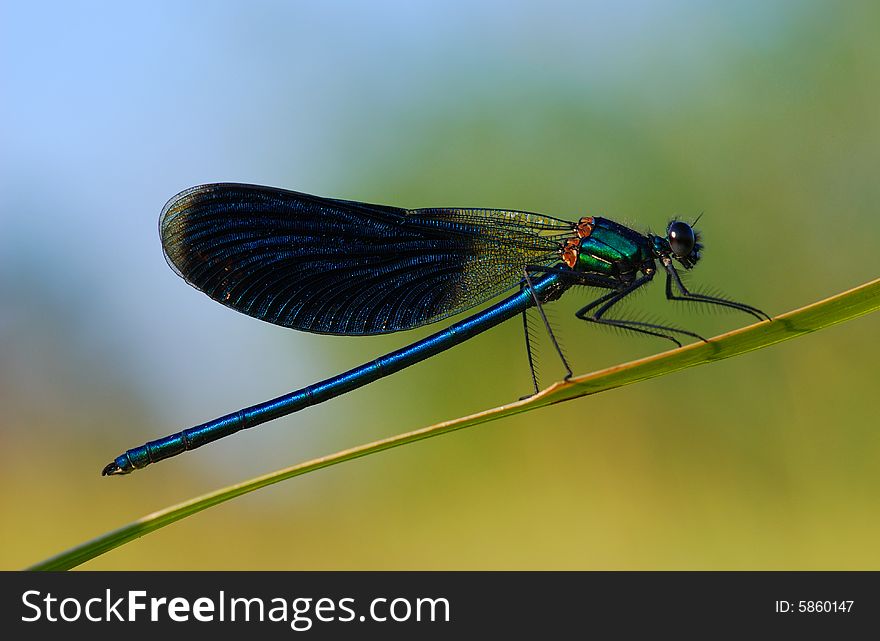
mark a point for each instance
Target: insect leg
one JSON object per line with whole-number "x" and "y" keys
{"x": 606, "y": 302}
{"x": 672, "y": 274}
{"x": 529, "y": 346}
{"x": 528, "y": 283}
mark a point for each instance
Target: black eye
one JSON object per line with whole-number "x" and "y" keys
{"x": 681, "y": 238}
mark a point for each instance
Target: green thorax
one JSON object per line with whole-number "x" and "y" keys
{"x": 612, "y": 248}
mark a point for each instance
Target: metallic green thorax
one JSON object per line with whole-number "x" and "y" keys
{"x": 613, "y": 249}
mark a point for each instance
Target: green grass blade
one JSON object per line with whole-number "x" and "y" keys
{"x": 842, "y": 307}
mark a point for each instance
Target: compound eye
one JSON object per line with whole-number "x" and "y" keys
{"x": 681, "y": 238}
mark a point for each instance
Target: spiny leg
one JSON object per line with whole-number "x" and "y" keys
{"x": 604, "y": 282}
{"x": 672, "y": 274}
{"x": 668, "y": 328}
{"x": 528, "y": 282}
{"x": 578, "y": 278}
{"x": 607, "y": 301}
{"x": 529, "y": 347}
{"x": 607, "y": 282}
{"x": 626, "y": 324}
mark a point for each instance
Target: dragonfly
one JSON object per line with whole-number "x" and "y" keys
{"x": 342, "y": 267}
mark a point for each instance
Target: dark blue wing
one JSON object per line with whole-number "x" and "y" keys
{"x": 342, "y": 267}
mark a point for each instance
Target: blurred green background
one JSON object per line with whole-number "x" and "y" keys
{"x": 763, "y": 115}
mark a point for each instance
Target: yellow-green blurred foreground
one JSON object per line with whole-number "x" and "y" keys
{"x": 762, "y": 115}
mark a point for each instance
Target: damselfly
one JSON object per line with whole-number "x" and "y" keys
{"x": 349, "y": 268}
